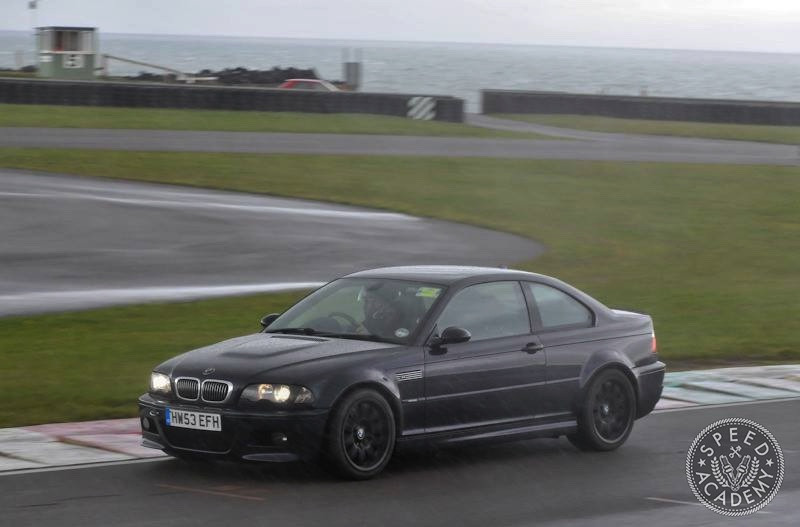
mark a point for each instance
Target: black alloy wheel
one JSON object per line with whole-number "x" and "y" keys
{"x": 606, "y": 417}
{"x": 361, "y": 435}
{"x": 611, "y": 410}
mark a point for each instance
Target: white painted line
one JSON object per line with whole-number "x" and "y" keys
{"x": 724, "y": 405}
{"x": 771, "y": 382}
{"x": 83, "y": 466}
{"x": 11, "y": 463}
{"x": 738, "y": 389}
{"x": 681, "y": 502}
{"x": 146, "y": 294}
{"x": 152, "y": 460}
{"x": 55, "y": 452}
{"x": 666, "y": 402}
{"x": 127, "y": 444}
{"x": 22, "y": 435}
{"x": 269, "y": 209}
{"x": 700, "y": 396}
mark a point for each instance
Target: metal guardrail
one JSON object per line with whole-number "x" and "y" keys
{"x": 637, "y": 107}
{"x": 158, "y": 95}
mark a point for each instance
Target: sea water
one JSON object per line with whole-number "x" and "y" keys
{"x": 462, "y": 69}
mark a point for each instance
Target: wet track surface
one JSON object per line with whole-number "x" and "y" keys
{"x": 534, "y": 482}
{"x": 71, "y": 242}
{"x": 581, "y": 146}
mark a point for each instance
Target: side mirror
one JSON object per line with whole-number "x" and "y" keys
{"x": 269, "y": 319}
{"x": 454, "y": 335}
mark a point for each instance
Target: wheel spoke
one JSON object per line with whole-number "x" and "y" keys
{"x": 369, "y": 418}
{"x": 611, "y": 410}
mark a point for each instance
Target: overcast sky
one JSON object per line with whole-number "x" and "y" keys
{"x": 758, "y": 25}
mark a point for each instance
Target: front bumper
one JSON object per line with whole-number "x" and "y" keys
{"x": 650, "y": 385}
{"x": 245, "y": 435}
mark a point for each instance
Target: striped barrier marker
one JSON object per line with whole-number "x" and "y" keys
{"x": 422, "y": 108}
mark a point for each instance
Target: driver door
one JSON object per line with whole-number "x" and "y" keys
{"x": 497, "y": 376}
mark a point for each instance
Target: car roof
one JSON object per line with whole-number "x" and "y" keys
{"x": 444, "y": 274}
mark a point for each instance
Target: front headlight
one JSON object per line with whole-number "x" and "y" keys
{"x": 278, "y": 393}
{"x": 159, "y": 383}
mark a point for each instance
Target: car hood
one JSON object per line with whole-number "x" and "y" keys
{"x": 240, "y": 359}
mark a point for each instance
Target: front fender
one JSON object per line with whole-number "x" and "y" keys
{"x": 336, "y": 388}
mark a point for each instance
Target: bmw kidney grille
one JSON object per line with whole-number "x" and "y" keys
{"x": 188, "y": 389}
{"x": 215, "y": 391}
{"x": 210, "y": 391}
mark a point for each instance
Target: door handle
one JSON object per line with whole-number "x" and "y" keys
{"x": 533, "y": 347}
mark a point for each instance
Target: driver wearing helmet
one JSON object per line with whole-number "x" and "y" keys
{"x": 382, "y": 315}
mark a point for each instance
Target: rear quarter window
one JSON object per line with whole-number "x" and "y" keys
{"x": 558, "y": 309}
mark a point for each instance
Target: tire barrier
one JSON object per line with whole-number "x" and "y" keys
{"x": 632, "y": 107}
{"x": 151, "y": 95}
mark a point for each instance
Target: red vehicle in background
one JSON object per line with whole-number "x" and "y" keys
{"x": 308, "y": 84}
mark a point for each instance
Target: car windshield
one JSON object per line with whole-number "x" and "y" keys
{"x": 379, "y": 309}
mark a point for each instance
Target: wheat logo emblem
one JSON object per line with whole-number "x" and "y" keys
{"x": 735, "y": 466}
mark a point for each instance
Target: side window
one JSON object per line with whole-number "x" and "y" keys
{"x": 557, "y": 308}
{"x": 491, "y": 310}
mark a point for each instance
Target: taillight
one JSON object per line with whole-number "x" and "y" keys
{"x": 653, "y": 345}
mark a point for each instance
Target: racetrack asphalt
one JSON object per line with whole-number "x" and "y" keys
{"x": 579, "y": 146}
{"x": 537, "y": 482}
{"x": 72, "y": 243}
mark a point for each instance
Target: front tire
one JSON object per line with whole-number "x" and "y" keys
{"x": 606, "y": 416}
{"x": 361, "y": 435}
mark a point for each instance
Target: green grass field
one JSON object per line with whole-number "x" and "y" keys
{"x": 235, "y": 121}
{"x": 742, "y": 132}
{"x": 16, "y": 74}
{"x": 93, "y": 364}
{"x": 712, "y": 252}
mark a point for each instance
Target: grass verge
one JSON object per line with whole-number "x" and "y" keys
{"x": 93, "y": 364}
{"x": 740, "y": 132}
{"x": 30, "y": 115}
{"x": 712, "y": 252}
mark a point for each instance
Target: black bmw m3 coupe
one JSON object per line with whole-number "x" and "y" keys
{"x": 403, "y": 356}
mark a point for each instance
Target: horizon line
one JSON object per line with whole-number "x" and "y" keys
{"x": 458, "y": 42}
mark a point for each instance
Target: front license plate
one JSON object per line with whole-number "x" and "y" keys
{"x": 194, "y": 420}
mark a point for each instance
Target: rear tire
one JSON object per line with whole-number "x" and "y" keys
{"x": 606, "y": 416}
{"x": 361, "y": 435}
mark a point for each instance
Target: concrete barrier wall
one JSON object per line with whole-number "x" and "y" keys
{"x": 149, "y": 95}
{"x": 661, "y": 108}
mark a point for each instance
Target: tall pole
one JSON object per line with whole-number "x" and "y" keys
{"x": 33, "y": 7}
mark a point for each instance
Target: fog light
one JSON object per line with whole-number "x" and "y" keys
{"x": 145, "y": 423}
{"x": 279, "y": 438}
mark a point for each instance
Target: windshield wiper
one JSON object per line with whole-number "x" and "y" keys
{"x": 331, "y": 334}
{"x": 299, "y": 331}
{"x": 356, "y": 336}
